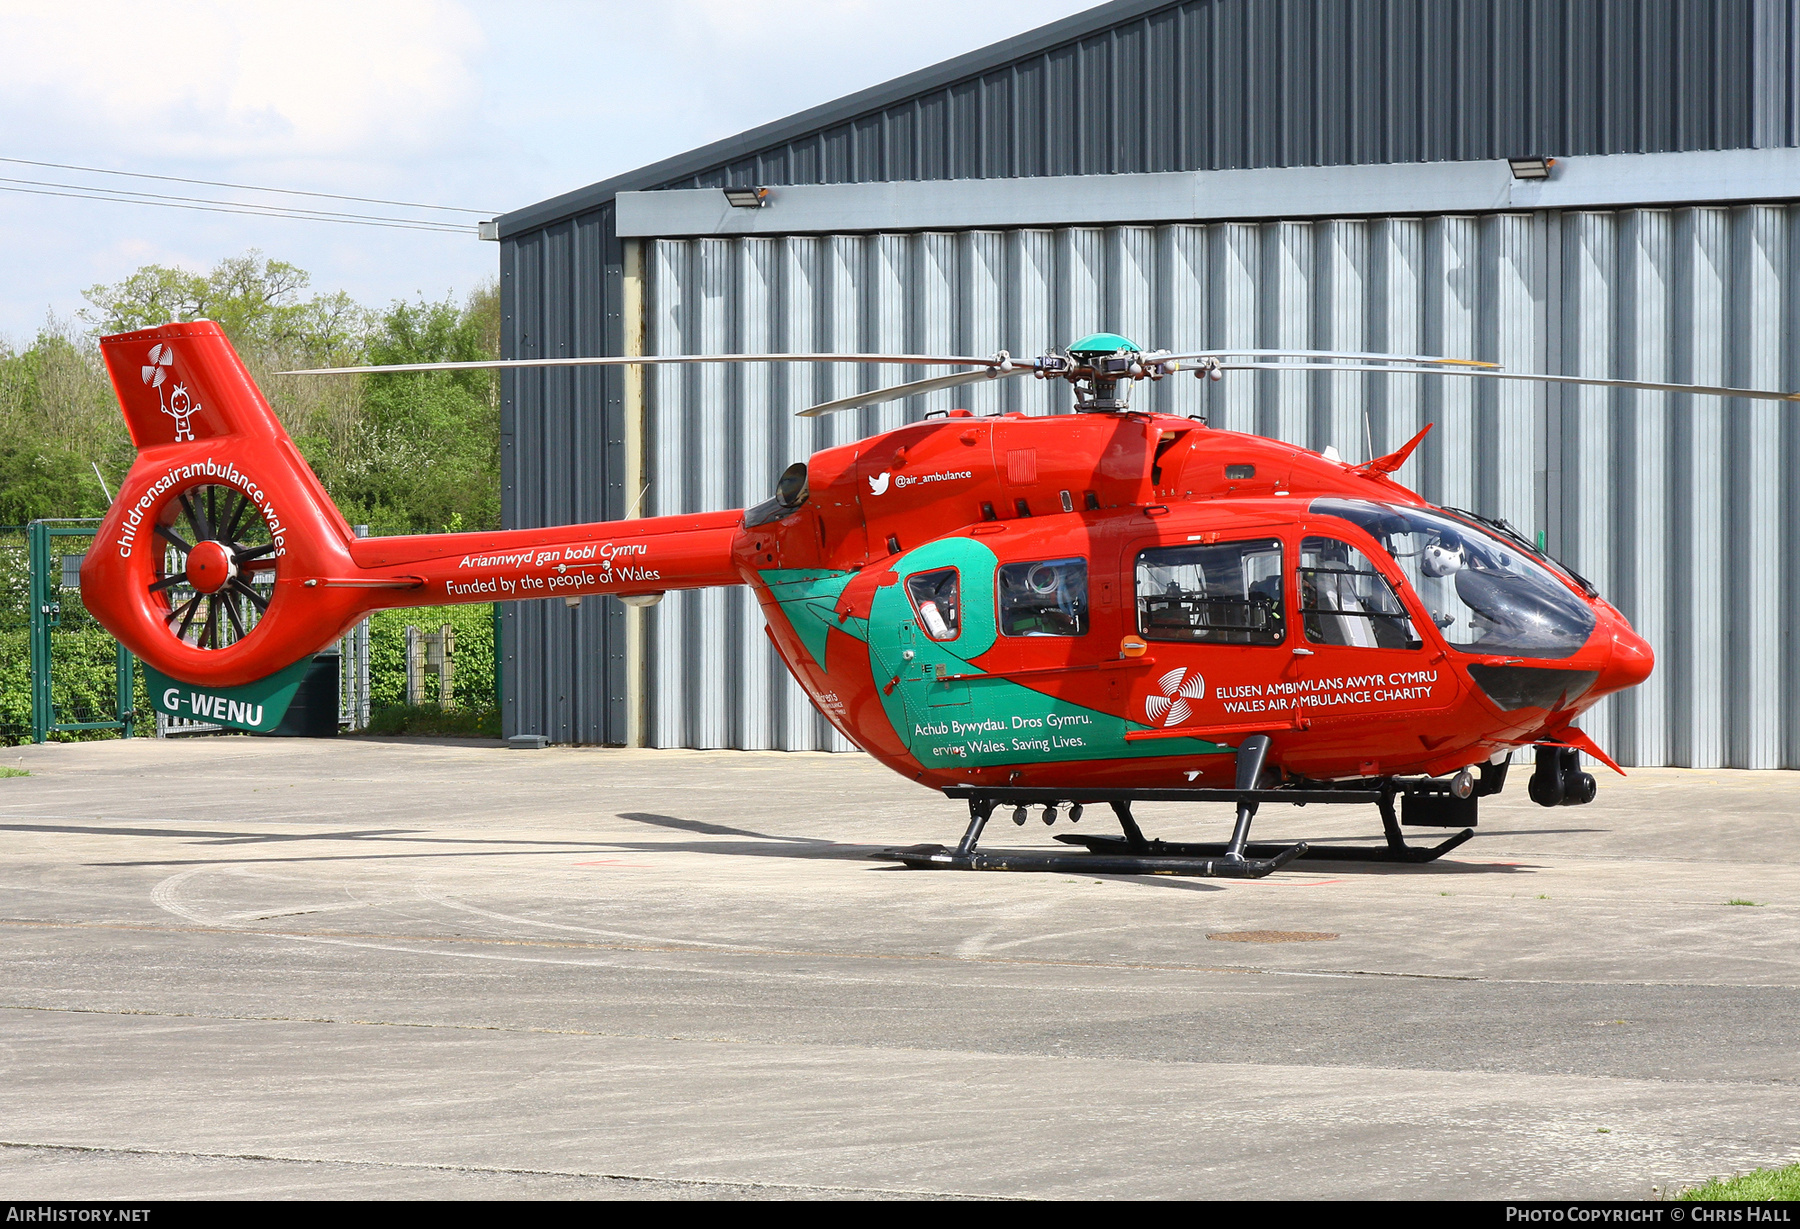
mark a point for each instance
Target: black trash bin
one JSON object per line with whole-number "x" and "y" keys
{"x": 314, "y": 712}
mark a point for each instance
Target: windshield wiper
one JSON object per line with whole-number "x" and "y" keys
{"x": 1506, "y": 530}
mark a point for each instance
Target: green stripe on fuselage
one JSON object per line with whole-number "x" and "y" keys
{"x": 808, "y": 598}
{"x": 984, "y": 721}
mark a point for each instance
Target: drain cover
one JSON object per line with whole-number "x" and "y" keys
{"x": 1271, "y": 936}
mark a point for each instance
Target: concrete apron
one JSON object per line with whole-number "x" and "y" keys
{"x": 407, "y": 968}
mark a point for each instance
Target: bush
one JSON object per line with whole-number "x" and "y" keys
{"x": 473, "y": 686}
{"x": 429, "y": 719}
{"x": 475, "y": 713}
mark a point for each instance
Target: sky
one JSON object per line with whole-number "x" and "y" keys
{"x": 470, "y": 103}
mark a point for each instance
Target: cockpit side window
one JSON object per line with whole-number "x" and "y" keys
{"x": 1344, "y": 600}
{"x": 1212, "y": 593}
{"x": 1486, "y": 594}
{"x": 937, "y": 600}
{"x": 1049, "y": 598}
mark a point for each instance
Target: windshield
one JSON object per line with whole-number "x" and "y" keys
{"x": 1485, "y": 593}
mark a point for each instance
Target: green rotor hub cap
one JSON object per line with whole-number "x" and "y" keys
{"x": 1101, "y": 345}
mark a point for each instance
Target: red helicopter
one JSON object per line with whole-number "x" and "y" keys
{"x": 1106, "y": 607}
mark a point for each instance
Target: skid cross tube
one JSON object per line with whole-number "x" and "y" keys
{"x": 1395, "y": 850}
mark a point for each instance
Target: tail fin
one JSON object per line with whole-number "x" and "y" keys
{"x": 223, "y": 561}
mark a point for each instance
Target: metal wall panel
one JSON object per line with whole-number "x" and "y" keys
{"x": 561, "y": 463}
{"x": 1677, "y": 507}
{"x": 1221, "y": 84}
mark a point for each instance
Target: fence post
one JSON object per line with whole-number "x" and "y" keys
{"x": 415, "y": 666}
{"x": 499, "y": 658}
{"x": 38, "y": 545}
{"x": 127, "y": 692}
{"x": 355, "y": 648}
{"x": 446, "y": 667}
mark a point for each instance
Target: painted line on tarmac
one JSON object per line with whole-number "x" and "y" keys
{"x": 784, "y": 953}
{"x": 437, "y": 898}
{"x": 898, "y": 957}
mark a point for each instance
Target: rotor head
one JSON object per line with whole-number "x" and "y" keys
{"x": 1102, "y": 367}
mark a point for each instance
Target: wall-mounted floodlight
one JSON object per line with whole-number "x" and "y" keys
{"x": 488, "y": 230}
{"x": 1531, "y": 168}
{"x": 747, "y": 198}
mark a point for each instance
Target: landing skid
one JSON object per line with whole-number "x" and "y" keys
{"x": 937, "y": 857}
{"x": 1396, "y": 850}
{"x": 1133, "y": 854}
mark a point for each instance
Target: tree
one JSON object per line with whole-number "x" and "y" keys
{"x": 431, "y": 440}
{"x": 58, "y": 419}
{"x": 259, "y": 303}
{"x": 402, "y": 453}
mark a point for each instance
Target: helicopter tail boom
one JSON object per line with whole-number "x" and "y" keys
{"x": 223, "y": 560}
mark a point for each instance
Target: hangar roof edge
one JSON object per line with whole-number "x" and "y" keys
{"x": 923, "y": 81}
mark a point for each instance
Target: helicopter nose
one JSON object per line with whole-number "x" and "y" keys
{"x": 1630, "y": 664}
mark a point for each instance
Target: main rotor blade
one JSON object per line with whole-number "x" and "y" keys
{"x": 1358, "y": 355}
{"x": 658, "y": 360}
{"x": 1655, "y": 386}
{"x": 876, "y": 396}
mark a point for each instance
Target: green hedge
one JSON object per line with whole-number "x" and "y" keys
{"x": 429, "y": 719}
{"x": 474, "y": 679}
{"x": 83, "y": 681}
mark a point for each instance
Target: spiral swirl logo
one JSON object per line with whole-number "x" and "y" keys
{"x": 1177, "y": 687}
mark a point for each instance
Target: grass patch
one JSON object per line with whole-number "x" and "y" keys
{"x": 429, "y": 719}
{"x": 12, "y": 772}
{"x": 1738, "y": 900}
{"x": 1781, "y": 1183}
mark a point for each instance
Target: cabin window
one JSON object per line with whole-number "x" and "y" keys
{"x": 1049, "y": 598}
{"x": 1344, "y": 600}
{"x": 1212, "y": 593}
{"x": 937, "y": 600}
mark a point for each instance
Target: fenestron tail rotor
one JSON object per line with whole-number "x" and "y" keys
{"x": 216, "y": 549}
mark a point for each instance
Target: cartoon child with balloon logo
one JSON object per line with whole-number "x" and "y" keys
{"x": 178, "y": 405}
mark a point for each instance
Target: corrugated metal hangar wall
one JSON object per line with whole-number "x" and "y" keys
{"x": 1675, "y": 506}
